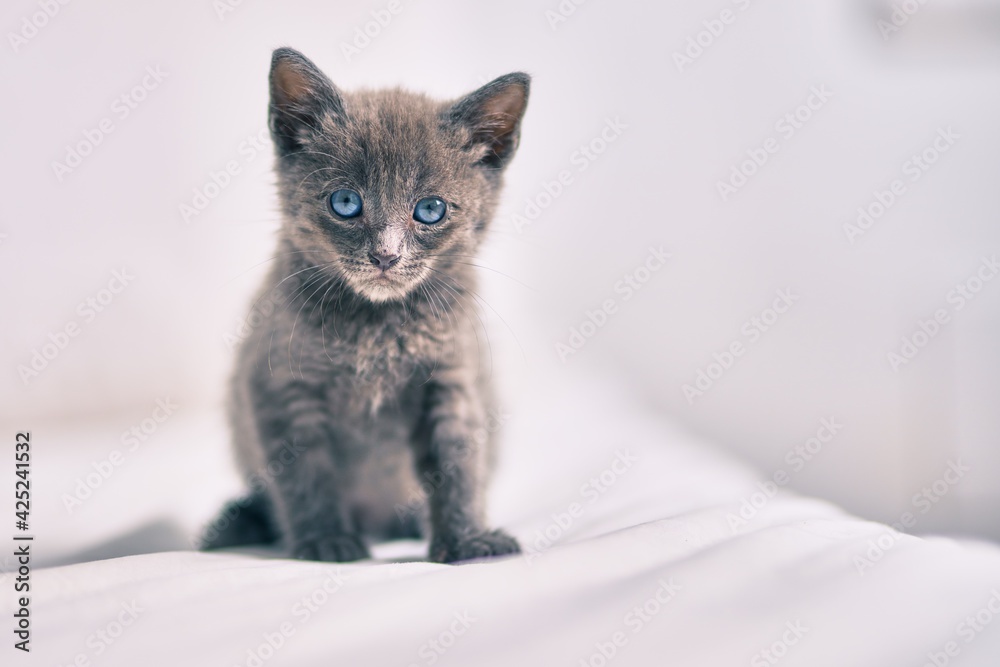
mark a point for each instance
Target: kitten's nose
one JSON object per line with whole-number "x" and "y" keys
{"x": 382, "y": 260}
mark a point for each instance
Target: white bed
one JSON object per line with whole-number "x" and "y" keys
{"x": 660, "y": 536}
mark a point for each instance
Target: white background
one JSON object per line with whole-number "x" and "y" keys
{"x": 655, "y": 185}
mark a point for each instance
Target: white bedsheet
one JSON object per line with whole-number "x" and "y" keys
{"x": 645, "y": 569}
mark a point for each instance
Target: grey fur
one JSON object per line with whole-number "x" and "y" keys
{"x": 361, "y": 388}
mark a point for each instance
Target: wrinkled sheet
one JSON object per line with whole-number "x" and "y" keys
{"x": 643, "y": 546}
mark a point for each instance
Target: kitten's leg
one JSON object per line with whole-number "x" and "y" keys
{"x": 454, "y": 461}
{"x": 305, "y": 474}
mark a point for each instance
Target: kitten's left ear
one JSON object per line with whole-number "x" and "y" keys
{"x": 494, "y": 113}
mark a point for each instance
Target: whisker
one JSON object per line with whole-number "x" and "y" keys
{"x": 291, "y": 335}
{"x": 478, "y": 297}
{"x": 486, "y": 332}
{"x": 328, "y": 282}
{"x": 487, "y": 268}
{"x": 269, "y": 259}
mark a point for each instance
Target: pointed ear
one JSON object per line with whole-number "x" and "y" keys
{"x": 494, "y": 113}
{"x": 300, "y": 95}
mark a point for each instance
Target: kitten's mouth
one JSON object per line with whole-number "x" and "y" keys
{"x": 385, "y": 277}
{"x": 379, "y": 286}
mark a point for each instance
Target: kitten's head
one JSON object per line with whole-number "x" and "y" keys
{"x": 386, "y": 188}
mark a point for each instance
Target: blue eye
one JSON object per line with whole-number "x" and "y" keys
{"x": 429, "y": 210}
{"x": 346, "y": 203}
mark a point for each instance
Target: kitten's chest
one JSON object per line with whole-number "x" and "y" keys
{"x": 365, "y": 373}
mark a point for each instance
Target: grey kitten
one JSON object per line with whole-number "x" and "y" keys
{"x": 365, "y": 387}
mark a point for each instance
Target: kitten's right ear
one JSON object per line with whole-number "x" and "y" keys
{"x": 300, "y": 95}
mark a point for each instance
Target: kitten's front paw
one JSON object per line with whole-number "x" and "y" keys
{"x": 338, "y": 548}
{"x": 480, "y": 545}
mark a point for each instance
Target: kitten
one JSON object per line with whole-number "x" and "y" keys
{"x": 364, "y": 388}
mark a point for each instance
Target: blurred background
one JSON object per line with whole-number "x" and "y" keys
{"x": 823, "y": 176}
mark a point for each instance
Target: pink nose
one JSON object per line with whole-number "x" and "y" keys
{"x": 383, "y": 261}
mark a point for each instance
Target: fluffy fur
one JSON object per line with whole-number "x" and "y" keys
{"x": 364, "y": 389}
